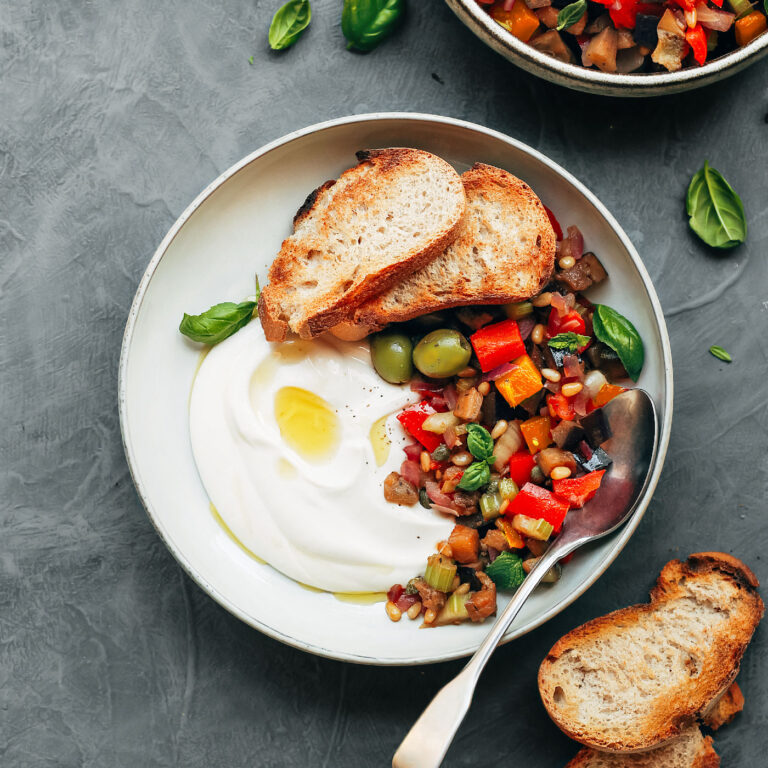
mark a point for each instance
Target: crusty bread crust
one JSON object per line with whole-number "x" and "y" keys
{"x": 690, "y": 750}
{"x": 505, "y": 252}
{"x": 725, "y": 708}
{"x": 357, "y": 236}
{"x": 715, "y": 597}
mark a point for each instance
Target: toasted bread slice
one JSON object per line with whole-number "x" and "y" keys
{"x": 634, "y": 679}
{"x": 391, "y": 214}
{"x": 689, "y": 750}
{"x": 505, "y": 252}
{"x": 726, "y": 708}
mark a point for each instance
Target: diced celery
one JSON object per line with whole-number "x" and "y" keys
{"x": 508, "y": 488}
{"x": 506, "y": 571}
{"x": 741, "y": 7}
{"x": 518, "y": 309}
{"x": 454, "y": 611}
{"x": 534, "y": 529}
{"x": 440, "y": 572}
{"x": 489, "y": 505}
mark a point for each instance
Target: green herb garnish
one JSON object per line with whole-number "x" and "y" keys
{"x": 480, "y": 443}
{"x": 570, "y": 341}
{"x": 570, "y": 14}
{"x": 217, "y": 323}
{"x": 506, "y": 571}
{"x": 715, "y": 211}
{"x": 288, "y": 24}
{"x": 475, "y": 476}
{"x": 718, "y": 351}
{"x": 250, "y": 60}
{"x": 365, "y": 23}
{"x": 613, "y": 329}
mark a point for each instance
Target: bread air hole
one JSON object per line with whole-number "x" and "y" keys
{"x": 559, "y": 696}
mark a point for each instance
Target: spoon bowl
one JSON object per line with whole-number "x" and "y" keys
{"x": 632, "y": 425}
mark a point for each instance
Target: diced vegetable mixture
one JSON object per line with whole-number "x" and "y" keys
{"x": 631, "y": 35}
{"x": 506, "y": 437}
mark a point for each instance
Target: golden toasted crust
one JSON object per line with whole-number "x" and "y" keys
{"x": 726, "y": 708}
{"x": 357, "y": 236}
{"x": 714, "y": 661}
{"x": 504, "y": 252}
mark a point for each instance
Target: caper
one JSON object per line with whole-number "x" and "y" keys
{"x": 392, "y": 356}
{"x": 442, "y": 353}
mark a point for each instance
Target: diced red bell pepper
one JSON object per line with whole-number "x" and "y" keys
{"x": 497, "y": 344}
{"x": 537, "y": 502}
{"x": 412, "y": 418}
{"x": 697, "y": 39}
{"x": 623, "y": 13}
{"x": 570, "y": 321}
{"x": 520, "y": 466}
{"x": 555, "y": 223}
{"x": 577, "y": 491}
{"x": 560, "y": 407}
{"x": 395, "y": 592}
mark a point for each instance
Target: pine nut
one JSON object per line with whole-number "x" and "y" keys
{"x": 393, "y": 611}
{"x": 445, "y": 549}
{"x": 560, "y": 473}
{"x": 462, "y": 589}
{"x": 438, "y": 474}
{"x": 537, "y": 334}
{"x": 429, "y": 616}
{"x": 690, "y": 18}
{"x": 465, "y": 373}
{"x": 499, "y": 429}
{"x": 542, "y": 300}
{"x": 571, "y": 388}
{"x": 462, "y": 458}
{"x": 414, "y": 610}
{"x": 504, "y": 506}
{"x": 528, "y": 564}
{"x": 567, "y": 262}
{"x": 484, "y": 388}
{"x": 426, "y": 461}
{"x": 455, "y": 583}
{"x": 550, "y": 374}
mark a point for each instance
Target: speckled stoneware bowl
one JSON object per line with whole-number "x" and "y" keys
{"x": 592, "y": 80}
{"x": 233, "y": 229}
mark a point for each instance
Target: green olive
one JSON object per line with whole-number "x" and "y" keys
{"x": 392, "y": 356}
{"x": 442, "y": 353}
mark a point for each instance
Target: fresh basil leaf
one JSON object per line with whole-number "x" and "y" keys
{"x": 613, "y": 329}
{"x": 479, "y": 441}
{"x": 217, "y": 323}
{"x": 475, "y": 476}
{"x": 718, "y": 351}
{"x": 715, "y": 211}
{"x": 365, "y": 23}
{"x": 288, "y": 23}
{"x": 570, "y": 341}
{"x": 571, "y": 14}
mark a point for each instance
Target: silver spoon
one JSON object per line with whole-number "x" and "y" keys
{"x": 631, "y": 419}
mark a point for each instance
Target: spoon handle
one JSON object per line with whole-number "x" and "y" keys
{"x": 431, "y": 735}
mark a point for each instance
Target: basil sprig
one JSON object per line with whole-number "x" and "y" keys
{"x": 217, "y": 323}
{"x": 571, "y": 14}
{"x": 288, "y": 23}
{"x": 365, "y": 23}
{"x": 570, "y": 341}
{"x": 479, "y": 442}
{"x": 475, "y": 476}
{"x": 613, "y": 329}
{"x": 718, "y": 351}
{"x": 715, "y": 211}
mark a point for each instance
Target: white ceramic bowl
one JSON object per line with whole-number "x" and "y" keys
{"x": 592, "y": 80}
{"x": 233, "y": 229}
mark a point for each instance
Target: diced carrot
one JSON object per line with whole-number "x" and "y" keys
{"x": 536, "y": 432}
{"x": 465, "y": 543}
{"x": 521, "y": 21}
{"x": 748, "y": 27}
{"x": 522, "y": 381}
{"x": 606, "y": 394}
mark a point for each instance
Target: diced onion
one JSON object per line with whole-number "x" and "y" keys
{"x": 711, "y": 18}
{"x": 594, "y": 382}
{"x": 510, "y": 442}
{"x": 439, "y": 422}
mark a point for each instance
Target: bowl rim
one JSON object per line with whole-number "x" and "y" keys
{"x": 664, "y": 428}
{"x": 593, "y": 80}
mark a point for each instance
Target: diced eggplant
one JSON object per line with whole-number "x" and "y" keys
{"x": 559, "y": 355}
{"x": 551, "y": 43}
{"x": 550, "y": 458}
{"x": 548, "y": 17}
{"x": 475, "y": 520}
{"x": 599, "y": 460}
{"x": 630, "y": 59}
{"x": 670, "y": 50}
{"x": 624, "y": 39}
{"x": 488, "y": 408}
{"x": 601, "y": 50}
{"x": 601, "y": 356}
{"x": 568, "y": 434}
{"x": 599, "y": 24}
{"x": 596, "y": 429}
{"x": 586, "y": 272}
{"x": 469, "y": 575}
{"x": 531, "y": 405}
{"x": 645, "y": 30}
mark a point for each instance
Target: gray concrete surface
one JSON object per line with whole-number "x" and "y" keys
{"x": 114, "y": 116}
